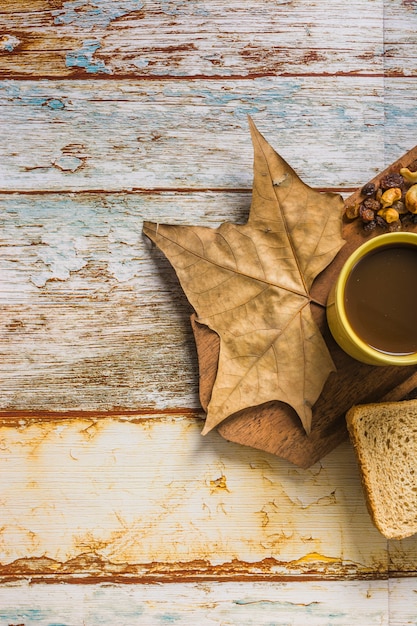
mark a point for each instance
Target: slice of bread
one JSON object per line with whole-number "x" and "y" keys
{"x": 385, "y": 440}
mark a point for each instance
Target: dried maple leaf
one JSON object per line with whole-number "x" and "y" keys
{"x": 250, "y": 283}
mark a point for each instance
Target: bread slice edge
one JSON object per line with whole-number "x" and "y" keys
{"x": 356, "y": 438}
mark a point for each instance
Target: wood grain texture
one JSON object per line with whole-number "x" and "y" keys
{"x": 247, "y": 604}
{"x": 92, "y": 318}
{"x": 402, "y": 600}
{"x": 134, "y": 38}
{"x": 112, "y": 112}
{"x": 124, "y": 135}
{"x": 96, "y": 497}
{"x": 399, "y": 48}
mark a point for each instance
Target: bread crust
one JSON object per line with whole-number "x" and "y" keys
{"x": 395, "y": 414}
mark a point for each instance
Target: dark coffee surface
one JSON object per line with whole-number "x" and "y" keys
{"x": 381, "y": 299}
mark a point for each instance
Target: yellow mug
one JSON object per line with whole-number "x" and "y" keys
{"x": 351, "y": 323}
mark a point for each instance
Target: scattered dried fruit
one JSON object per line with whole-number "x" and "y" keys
{"x": 369, "y": 226}
{"x": 368, "y": 189}
{"x": 352, "y": 211}
{"x": 391, "y": 180}
{"x": 366, "y": 214}
{"x": 396, "y": 191}
{"x": 372, "y": 204}
{"x": 399, "y": 206}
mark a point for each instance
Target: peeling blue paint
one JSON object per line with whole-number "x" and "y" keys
{"x": 55, "y": 104}
{"x": 68, "y": 163}
{"x": 61, "y": 247}
{"x": 141, "y": 63}
{"x": 23, "y": 616}
{"x": 100, "y": 13}
{"x": 84, "y": 58}
{"x": 107, "y": 609}
{"x": 35, "y": 96}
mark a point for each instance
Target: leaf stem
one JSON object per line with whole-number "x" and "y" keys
{"x": 314, "y": 301}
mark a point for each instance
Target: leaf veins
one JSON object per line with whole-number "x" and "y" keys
{"x": 250, "y": 284}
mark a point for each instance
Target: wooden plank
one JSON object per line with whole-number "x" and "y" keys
{"x": 92, "y": 318}
{"x": 403, "y": 557}
{"x": 402, "y": 601}
{"x": 131, "y": 38}
{"x": 400, "y": 48}
{"x": 399, "y": 104}
{"x": 62, "y": 136}
{"x": 119, "y": 135}
{"x": 263, "y": 604}
{"x": 90, "y": 498}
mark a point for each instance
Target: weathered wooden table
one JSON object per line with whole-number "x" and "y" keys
{"x": 114, "y": 509}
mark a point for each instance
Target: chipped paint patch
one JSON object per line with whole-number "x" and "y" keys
{"x": 101, "y": 13}
{"x": 65, "y": 234}
{"x": 68, "y": 163}
{"x": 8, "y": 43}
{"x": 169, "y": 618}
{"x": 141, "y": 63}
{"x": 72, "y": 158}
{"x": 84, "y": 58}
{"x": 59, "y": 259}
{"x": 315, "y": 557}
{"x": 55, "y": 104}
{"x": 219, "y": 484}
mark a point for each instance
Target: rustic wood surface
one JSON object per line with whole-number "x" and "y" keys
{"x": 260, "y": 604}
{"x": 117, "y": 111}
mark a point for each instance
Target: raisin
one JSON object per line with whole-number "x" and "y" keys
{"x": 394, "y": 226}
{"x": 368, "y": 189}
{"x": 367, "y": 215}
{"x": 399, "y": 206}
{"x": 381, "y": 222}
{"x": 368, "y": 226}
{"x": 352, "y": 211}
{"x": 392, "y": 180}
{"x": 371, "y": 204}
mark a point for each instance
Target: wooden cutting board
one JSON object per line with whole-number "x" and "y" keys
{"x": 275, "y": 427}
